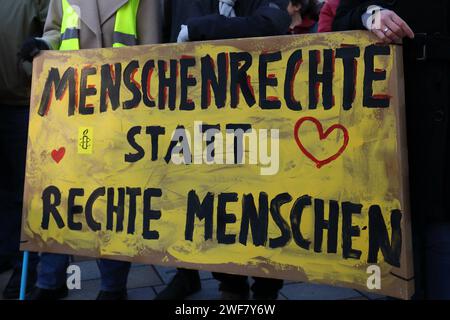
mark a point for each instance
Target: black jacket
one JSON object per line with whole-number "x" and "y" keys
{"x": 423, "y": 16}
{"x": 427, "y": 85}
{"x": 255, "y": 18}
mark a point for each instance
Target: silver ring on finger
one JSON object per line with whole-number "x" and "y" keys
{"x": 386, "y": 30}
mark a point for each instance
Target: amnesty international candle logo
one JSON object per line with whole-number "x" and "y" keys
{"x": 85, "y": 140}
{"x": 280, "y": 157}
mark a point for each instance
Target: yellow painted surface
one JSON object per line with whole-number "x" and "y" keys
{"x": 368, "y": 172}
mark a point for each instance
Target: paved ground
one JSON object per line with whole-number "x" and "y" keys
{"x": 144, "y": 282}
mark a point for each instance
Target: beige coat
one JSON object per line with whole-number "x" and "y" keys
{"x": 97, "y": 20}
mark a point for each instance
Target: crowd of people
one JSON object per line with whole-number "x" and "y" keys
{"x": 30, "y": 26}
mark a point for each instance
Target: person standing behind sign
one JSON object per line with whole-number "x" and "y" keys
{"x": 198, "y": 20}
{"x": 427, "y": 93}
{"x": 202, "y": 20}
{"x": 19, "y": 19}
{"x": 88, "y": 24}
{"x": 304, "y": 15}
{"x": 327, "y": 15}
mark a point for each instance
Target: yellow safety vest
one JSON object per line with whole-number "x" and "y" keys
{"x": 125, "y": 28}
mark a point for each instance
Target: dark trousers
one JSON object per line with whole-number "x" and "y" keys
{"x": 13, "y": 146}
{"x": 239, "y": 284}
{"x": 438, "y": 261}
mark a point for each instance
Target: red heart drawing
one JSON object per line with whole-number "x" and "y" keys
{"x": 322, "y": 135}
{"x": 57, "y": 155}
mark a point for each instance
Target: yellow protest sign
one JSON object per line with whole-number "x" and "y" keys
{"x": 279, "y": 157}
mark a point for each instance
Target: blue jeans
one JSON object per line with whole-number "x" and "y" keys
{"x": 438, "y": 262}
{"x": 52, "y": 272}
{"x": 114, "y": 274}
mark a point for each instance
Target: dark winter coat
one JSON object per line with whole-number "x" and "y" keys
{"x": 255, "y": 18}
{"x": 427, "y": 84}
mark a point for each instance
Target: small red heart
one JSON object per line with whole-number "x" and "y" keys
{"x": 322, "y": 135}
{"x": 57, "y": 155}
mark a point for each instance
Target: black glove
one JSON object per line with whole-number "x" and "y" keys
{"x": 31, "y": 48}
